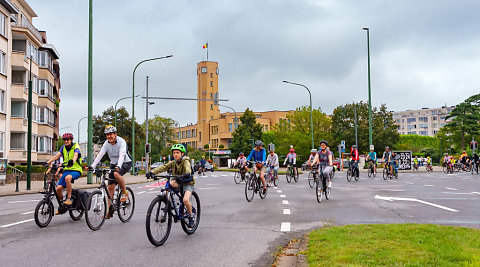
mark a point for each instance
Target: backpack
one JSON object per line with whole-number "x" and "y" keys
{"x": 83, "y": 197}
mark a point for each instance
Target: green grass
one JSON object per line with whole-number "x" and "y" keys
{"x": 394, "y": 245}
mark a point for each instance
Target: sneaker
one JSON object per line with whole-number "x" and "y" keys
{"x": 329, "y": 184}
{"x": 191, "y": 221}
{"x": 67, "y": 202}
{"x": 124, "y": 196}
{"x": 264, "y": 190}
{"x": 57, "y": 212}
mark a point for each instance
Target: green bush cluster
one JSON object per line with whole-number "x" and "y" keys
{"x": 35, "y": 169}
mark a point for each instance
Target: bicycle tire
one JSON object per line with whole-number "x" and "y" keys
{"x": 349, "y": 175}
{"x": 43, "y": 210}
{"x": 288, "y": 176}
{"x": 375, "y": 173}
{"x": 445, "y": 169}
{"x": 196, "y": 210}
{"x": 98, "y": 209}
{"x": 328, "y": 191}
{"x": 249, "y": 189}
{"x": 295, "y": 177}
{"x": 237, "y": 177}
{"x": 268, "y": 180}
{"x": 275, "y": 181}
{"x": 385, "y": 173}
{"x": 311, "y": 180}
{"x": 356, "y": 178}
{"x": 75, "y": 214}
{"x": 319, "y": 191}
{"x": 369, "y": 172}
{"x": 126, "y": 209}
{"x": 160, "y": 216}
{"x": 260, "y": 191}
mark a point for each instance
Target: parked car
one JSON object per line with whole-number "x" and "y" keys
{"x": 156, "y": 164}
{"x": 208, "y": 166}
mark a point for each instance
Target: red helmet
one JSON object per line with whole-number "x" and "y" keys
{"x": 67, "y": 136}
{"x": 292, "y": 150}
{"x": 241, "y": 154}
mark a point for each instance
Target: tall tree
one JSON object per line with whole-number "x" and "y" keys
{"x": 242, "y": 136}
{"x": 160, "y": 133}
{"x": 465, "y": 118}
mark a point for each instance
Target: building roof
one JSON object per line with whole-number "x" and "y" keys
{"x": 52, "y": 50}
{"x": 28, "y": 8}
{"x": 9, "y": 6}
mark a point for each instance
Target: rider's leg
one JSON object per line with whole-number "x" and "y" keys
{"x": 262, "y": 174}
{"x": 68, "y": 180}
{"x": 111, "y": 189}
{"x": 120, "y": 181}
{"x": 186, "y": 201}
{"x": 326, "y": 173}
{"x": 60, "y": 192}
{"x": 275, "y": 170}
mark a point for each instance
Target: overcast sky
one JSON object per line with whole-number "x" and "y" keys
{"x": 423, "y": 53}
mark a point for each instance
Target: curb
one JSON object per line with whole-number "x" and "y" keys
{"x": 294, "y": 254}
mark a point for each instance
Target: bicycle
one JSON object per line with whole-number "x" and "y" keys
{"x": 254, "y": 185}
{"x": 388, "y": 174}
{"x": 239, "y": 175}
{"x": 291, "y": 173}
{"x": 447, "y": 168}
{"x": 415, "y": 167}
{"x": 371, "y": 170}
{"x": 271, "y": 178}
{"x": 429, "y": 167}
{"x": 44, "y": 211}
{"x": 97, "y": 202}
{"x": 167, "y": 205}
{"x": 474, "y": 167}
{"x": 352, "y": 171}
{"x": 321, "y": 187}
{"x": 313, "y": 176}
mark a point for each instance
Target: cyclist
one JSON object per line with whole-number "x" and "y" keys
{"x": 120, "y": 160}
{"x": 313, "y": 153}
{"x": 429, "y": 163}
{"x": 476, "y": 160}
{"x": 464, "y": 160}
{"x": 180, "y": 166}
{"x": 372, "y": 156}
{"x": 324, "y": 158}
{"x": 272, "y": 162}
{"x": 292, "y": 160}
{"x": 387, "y": 157}
{"x": 415, "y": 162}
{"x": 259, "y": 156}
{"x": 395, "y": 158}
{"x": 355, "y": 158}
{"x": 202, "y": 166}
{"x": 70, "y": 152}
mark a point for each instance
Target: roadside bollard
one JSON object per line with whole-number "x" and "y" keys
{"x": 16, "y": 185}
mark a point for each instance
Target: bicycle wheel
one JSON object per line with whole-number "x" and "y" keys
{"x": 268, "y": 180}
{"x": 195, "y": 201}
{"x": 249, "y": 189}
{"x": 445, "y": 169}
{"x": 369, "y": 172}
{"x": 158, "y": 221}
{"x": 76, "y": 214}
{"x": 295, "y": 177}
{"x": 319, "y": 191}
{"x": 385, "y": 173}
{"x": 261, "y": 192}
{"x": 96, "y": 210}
{"x": 375, "y": 173}
{"x": 349, "y": 175}
{"x": 237, "y": 177}
{"x": 311, "y": 180}
{"x": 289, "y": 176}
{"x": 328, "y": 190}
{"x": 125, "y": 209}
{"x": 43, "y": 213}
{"x": 275, "y": 181}
{"x": 356, "y": 176}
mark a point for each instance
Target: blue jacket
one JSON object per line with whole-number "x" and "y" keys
{"x": 258, "y": 156}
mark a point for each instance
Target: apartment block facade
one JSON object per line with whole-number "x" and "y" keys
{"x": 425, "y": 121}
{"x": 212, "y": 127}
{"x": 26, "y": 55}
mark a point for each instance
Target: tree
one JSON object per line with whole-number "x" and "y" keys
{"x": 160, "y": 133}
{"x": 465, "y": 118}
{"x": 124, "y": 128}
{"x": 296, "y": 131}
{"x": 247, "y": 130}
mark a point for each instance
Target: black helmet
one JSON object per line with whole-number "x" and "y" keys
{"x": 324, "y": 142}
{"x": 258, "y": 143}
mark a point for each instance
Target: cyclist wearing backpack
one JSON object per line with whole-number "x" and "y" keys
{"x": 70, "y": 152}
{"x": 180, "y": 165}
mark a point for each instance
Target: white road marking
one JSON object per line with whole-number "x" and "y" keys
{"x": 152, "y": 189}
{"x": 224, "y": 175}
{"x": 275, "y": 187}
{"x": 279, "y": 191}
{"x": 22, "y": 201}
{"x": 140, "y": 192}
{"x": 285, "y": 227}
{"x": 466, "y": 178}
{"x": 28, "y": 212}
{"x": 409, "y": 183}
{"x": 393, "y": 190}
{"x": 429, "y": 185}
{"x": 207, "y": 188}
{"x": 478, "y": 193}
{"x": 282, "y": 196}
{"x": 12, "y": 224}
{"x": 286, "y": 211}
{"x": 450, "y": 188}
{"x": 211, "y": 184}
{"x": 455, "y": 193}
{"x": 285, "y": 202}
{"x": 414, "y": 200}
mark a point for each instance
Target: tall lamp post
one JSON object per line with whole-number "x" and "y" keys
{"x": 133, "y": 102}
{"x": 116, "y": 107}
{"x": 90, "y": 90}
{"x": 29, "y": 134}
{"x": 311, "y": 116}
{"x": 78, "y": 129}
{"x": 370, "y": 139}
{"x": 235, "y": 120}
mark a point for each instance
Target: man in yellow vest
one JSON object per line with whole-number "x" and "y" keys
{"x": 72, "y": 159}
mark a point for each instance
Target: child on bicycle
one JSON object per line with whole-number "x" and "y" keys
{"x": 292, "y": 160}
{"x": 272, "y": 163}
{"x": 180, "y": 165}
{"x": 259, "y": 155}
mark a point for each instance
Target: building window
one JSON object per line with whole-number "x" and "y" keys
{"x": 412, "y": 132}
{"x": 3, "y": 25}
{"x": 423, "y": 126}
{"x": 211, "y": 106}
{"x": 410, "y": 120}
{"x": 434, "y": 118}
{"x": 211, "y": 75}
{"x": 423, "y": 133}
{"x": 410, "y": 127}
{"x": 2, "y": 63}
{"x": 266, "y": 128}
{"x": 425, "y": 119}
{"x": 2, "y": 101}
{"x": 217, "y": 71}
{"x": 2, "y": 141}
{"x": 230, "y": 127}
{"x": 17, "y": 141}
{"x": 204, "y": 69}
{"x": 211, "y": 83}
{"x": 18, "y": 109}
{"x": 44, "y": 144}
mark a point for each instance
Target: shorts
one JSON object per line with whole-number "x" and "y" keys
{"x": 75, "y": 175}
{"x": 188, "y": 187}
{"x": 126, "y": 166}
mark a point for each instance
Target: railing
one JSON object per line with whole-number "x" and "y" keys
{"x": 25, "y": 23}
{"x": 15, "y": 170}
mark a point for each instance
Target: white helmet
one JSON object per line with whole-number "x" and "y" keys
{"x": 110, "y": 129}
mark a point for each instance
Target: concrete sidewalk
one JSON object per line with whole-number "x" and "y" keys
{"x": 37, "y": 186}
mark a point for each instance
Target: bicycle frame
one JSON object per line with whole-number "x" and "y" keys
{"x": 104, "y": 188}
{"x": 52, "y": 191}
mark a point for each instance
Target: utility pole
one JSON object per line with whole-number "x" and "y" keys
{"x": 355, "y": 113}
{"x": 90, "y": 93}
{"x": 29, "y": 130}
{"x": 147, "y": 146}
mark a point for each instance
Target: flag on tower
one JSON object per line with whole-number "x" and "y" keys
{"x": 205, "y": 45}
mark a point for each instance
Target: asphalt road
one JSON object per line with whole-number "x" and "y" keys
{"x": 233, "y": 232}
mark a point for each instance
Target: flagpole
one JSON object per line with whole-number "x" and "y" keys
{"x": 207, "y": 51}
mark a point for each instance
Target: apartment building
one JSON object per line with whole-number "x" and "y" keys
{"x": 425, "y": 121}
{"x": 26, "y": 55}
{"x": 212, "y": 127}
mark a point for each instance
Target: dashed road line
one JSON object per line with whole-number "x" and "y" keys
{"x": 28, "y": 212}
{"x": 429, "y": 185}
{"x": 282, "y": 196}
{"x": 450, "y": 188}
{"x": 409, "y": 183}
{"x": 22, "y": 201}
{"x": 12, "y": 224}
{"x": 140, "y": 192}
{"x": 393, "y": 190}
{"x": 285, "y": 202}
{"x": 286, "y": 211}
{"x": 285, "y": 227}
{"x": 279, "y": 191}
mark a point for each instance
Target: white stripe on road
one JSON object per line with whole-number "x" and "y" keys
{"x": 478, "y": 193}
{"x": 22, "y": 201}
{"x": 409, "y": 183}
{"x": 152, "y": 188}
{"x": 28, "y": 212}
{"x": 414, "y": 200}
{"x": 282, "y": 196}
{"x": 211, "y": 184}
{"x": 449, "y": 188}
{"x": 286, "y": 211}
{"x": 224, "y": 175}
{"x": 206, "y": 188}
{"x": 285, "y": 202}
{"x": 140, "y": 192}
{"x": 275, "y": 187}
{"x": 279, "y": 191}
{"x": 429, "y": 185}
{"x": 285, "y": 227}
{"x": 393, "y": 190}
{"x": 12, "y": 224}
{"x": 455, "y": 193}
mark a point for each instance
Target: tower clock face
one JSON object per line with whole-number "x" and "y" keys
{"x": 204, "y": 69}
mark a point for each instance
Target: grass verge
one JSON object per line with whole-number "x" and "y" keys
{"x": 394, "y": 245}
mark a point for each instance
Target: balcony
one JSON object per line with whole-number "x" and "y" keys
{"x": 26, "y": 24}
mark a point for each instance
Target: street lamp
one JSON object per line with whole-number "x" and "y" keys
{"x": 370, "y": 139}
{"x": 133, "y": 102}
{"x": 29, "y": 133}
{"x": 235, "y": 120}
{"x": 116, "y": 107}
{"x": 78, "y": 129}
{"x": 311, "y": 116}
{"x": 179, "y": 132}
